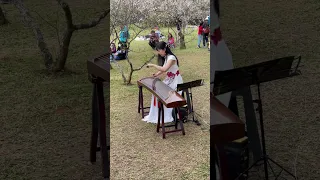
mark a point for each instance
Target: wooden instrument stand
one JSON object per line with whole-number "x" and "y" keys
{"x": 99, "y": 128}
{"x": 175, "y": 101}
{"x": 99, "y": 73}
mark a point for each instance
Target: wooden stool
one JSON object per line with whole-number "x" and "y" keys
{"x": 163, "y": 126}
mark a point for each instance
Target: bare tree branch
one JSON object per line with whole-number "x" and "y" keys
{"x": 137, "y": 34}
{"x": 67, "y": 13}
{"x": 137, "y": 69}
{"x": 121, "y": 71}
{"x": 37, "y": 32}
{"x": 51, "y": 25}
{"x": 115, "y": 30}
{"x": 93, "y": 23}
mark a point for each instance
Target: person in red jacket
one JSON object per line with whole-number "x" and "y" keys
{"x": 200, "y": 32}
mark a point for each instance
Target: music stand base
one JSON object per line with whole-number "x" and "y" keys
{"x": 197, "y": 122}
{"x": 190, "y": 110}
{"x": 266, "y": 159}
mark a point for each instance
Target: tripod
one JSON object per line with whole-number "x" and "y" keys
{"x": 186, "y": 88}
{"x": 265, "y": 158}
{"x": 190, "y": 102}
{"x": 230, "y": 80}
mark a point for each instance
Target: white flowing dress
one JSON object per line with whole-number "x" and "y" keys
{"x": 173, "y": 78}
{"x": 221, "y": 58}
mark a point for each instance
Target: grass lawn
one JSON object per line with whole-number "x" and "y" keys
{"x": 137, "y": 151}
{"x": 257, "y": 31}
{"x": 45, "y": 120}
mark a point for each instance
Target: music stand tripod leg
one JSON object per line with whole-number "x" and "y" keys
{"x": 248, "y": 169}
{"x": 264, "y": 157}
{"x": 190, "y": 106}
{"x": 264, "y": 151}
{"x": 282, "y": 168}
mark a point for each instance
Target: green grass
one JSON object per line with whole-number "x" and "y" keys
{"x": 258, "y": 31}
{"x": 45, "y": 120}
{"x": 137, "y": 151}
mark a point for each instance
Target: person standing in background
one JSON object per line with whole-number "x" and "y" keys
{"x": 200, "y": 32}
{"x": 124, "y": 35}
{"x": 206, "y": 31}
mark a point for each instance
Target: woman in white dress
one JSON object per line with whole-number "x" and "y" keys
{"x": 168, "y": 65}
{"x": 221, "y": 58}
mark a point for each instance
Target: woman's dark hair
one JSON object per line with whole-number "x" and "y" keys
{"x": 163, "y": 45}
{"x": 169, "y": 34}
{"x": 201, "y": 23}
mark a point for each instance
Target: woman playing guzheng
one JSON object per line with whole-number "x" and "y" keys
{"x": 169, "y": 65}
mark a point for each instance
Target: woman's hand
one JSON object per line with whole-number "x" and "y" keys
{"x": 156, "y": 75}
{"x": 150, "y": 65}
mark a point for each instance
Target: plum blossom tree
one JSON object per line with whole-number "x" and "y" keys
{"x": 140, "y": 15}
{"x": 57, "y": 64}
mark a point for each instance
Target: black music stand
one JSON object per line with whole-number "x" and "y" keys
{"x": 186, "y": 88}
{"x": 99, "y": 126}
{"x": 229, "y": 80}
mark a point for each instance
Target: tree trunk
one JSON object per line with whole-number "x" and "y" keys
{"x": 3, "y": 19}
{"x": 130, "y": 77}
{"x": 182, "y": 41}
{"x": 121, "y": 71}
{"x": 64, "y": 50}
{"x": 131, "y": 72}
{"x": 37, "y": 33}
{"x": 64, "y": 47}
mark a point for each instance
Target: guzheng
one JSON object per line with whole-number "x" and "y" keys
{"x": 225, "y": 125}
{"x": 168, "y": 96}
{"x": 100, "y": 67}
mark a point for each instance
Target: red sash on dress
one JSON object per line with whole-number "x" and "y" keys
{"x": 216, "y": 37}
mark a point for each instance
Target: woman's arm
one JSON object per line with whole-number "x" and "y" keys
{"x": 163, "y": 68}
{"x": 158, "y": 74}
